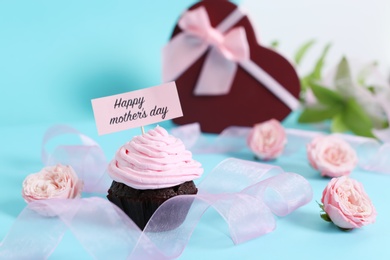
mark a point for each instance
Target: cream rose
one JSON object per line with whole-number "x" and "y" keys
{"x": 267, "y": 139}
{"x": 332, "y": 156}
{"x": 53, "y": 182}
{"x": 346, "y": 203}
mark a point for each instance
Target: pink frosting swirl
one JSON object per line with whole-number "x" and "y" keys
{"x": 154, "y": 160}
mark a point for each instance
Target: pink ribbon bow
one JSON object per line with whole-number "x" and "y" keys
{"x": 229, "y": 48}
{"x": 198, "y": 36}
{"x": 233, "y": 45}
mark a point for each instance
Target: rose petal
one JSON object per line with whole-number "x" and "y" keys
{"x": 338, "y": 218}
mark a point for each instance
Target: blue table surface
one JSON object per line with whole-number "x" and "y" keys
{"x": 302, "y": 234}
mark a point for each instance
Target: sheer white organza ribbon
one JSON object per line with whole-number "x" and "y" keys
{"x": 246, "y": 194}
{"x": 372, "y": 154}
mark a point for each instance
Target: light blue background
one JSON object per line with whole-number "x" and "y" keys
{"x": 55, "y": 56}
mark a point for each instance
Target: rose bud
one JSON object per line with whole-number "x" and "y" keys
{"x": 346, "y": 204}
{"x": 332, "y": 156}
{"x": 53, "y": 182}
{"x": 267, "y": 139}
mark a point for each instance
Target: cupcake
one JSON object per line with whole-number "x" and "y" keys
{"x": 149, "y": 170}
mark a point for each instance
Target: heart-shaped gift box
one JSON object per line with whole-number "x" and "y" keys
{"x": 248, "y": 100}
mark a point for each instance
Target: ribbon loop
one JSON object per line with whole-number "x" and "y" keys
{"x": 233, "y": 45}
{"x": 197, "y": 23}
{"x": 87, "y": 158}
{"x": 236, "y": 47}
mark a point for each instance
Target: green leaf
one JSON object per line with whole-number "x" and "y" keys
{"x": 343, "y": 80}
{"x": 326, "y": 96}
{"x": 302, "y": 51}
{"x": 356, "y": 119}
{"x": 316, "y": 74}
{"x": 371, "y": 89}
{"x": 338, "y": 125}
{"x": 305, "y": 83}
{"x": 318, "y": 114}
{"x": 321, "y": 206}
{"x": 325, "y": 217}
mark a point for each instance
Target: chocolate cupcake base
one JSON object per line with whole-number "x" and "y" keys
{"x": 140, "y": 205}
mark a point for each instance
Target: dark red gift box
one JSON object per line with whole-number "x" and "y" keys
{"x": 248, "y": 101}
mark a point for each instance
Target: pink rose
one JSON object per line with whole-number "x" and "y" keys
{"x": 332, "y": 156}
{"x": 267, "y": 139}
{"x": 346, "y": 203}
{"x": 53, "y": 182}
